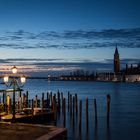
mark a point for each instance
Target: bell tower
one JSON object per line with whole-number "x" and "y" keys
{"x": 116, "y": 61}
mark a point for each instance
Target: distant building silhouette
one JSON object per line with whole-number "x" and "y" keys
{"x": 116, "y": 61}
{"x": 132, "y": 69}
{"x": 131, "y": 73}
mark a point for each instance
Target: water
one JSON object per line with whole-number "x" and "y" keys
{"x": 125, "y": 107}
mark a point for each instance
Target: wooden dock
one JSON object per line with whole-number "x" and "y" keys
{"x": 36, "y": 117}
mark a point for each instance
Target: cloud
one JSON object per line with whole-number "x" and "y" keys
{"x": 24, "y": 61}
{"x": 46, "y": 66}
{"x": 78, "y": 39}
{"x": 125, "y": 60}
{"x": 43, "y": 67}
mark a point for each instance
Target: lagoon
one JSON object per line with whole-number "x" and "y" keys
{"x": 125, "y": 107}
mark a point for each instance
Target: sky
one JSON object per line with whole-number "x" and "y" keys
{"x": 46, "y": 37}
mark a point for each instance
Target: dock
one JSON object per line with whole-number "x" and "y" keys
{"x": 37, "y": 117}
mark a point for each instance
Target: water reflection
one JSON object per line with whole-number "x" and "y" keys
{"x": 96, "y": 131}
{"x": 108, "y": 134}
{"x": 125, "y": 104}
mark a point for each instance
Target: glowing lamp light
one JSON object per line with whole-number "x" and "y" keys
{"x": 23, "y": 79}
{"x": 14, "y": 70}
{"x": 6, "y": 79}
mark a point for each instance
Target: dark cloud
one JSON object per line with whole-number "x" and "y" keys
{"x": 123, "y": 62}
{"x": 29, "y": 60}
{"x": 58, "y": 66}
{"x": 78, "y": 39}
{"x": 110, "y": 33}
{"x": 6, "y": 45}
{"x": 130, "y": 61}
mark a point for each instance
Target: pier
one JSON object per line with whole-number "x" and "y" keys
{"x": 55, "y": 109}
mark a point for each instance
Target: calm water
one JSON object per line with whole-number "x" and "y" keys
{"x": 125, "y": 107}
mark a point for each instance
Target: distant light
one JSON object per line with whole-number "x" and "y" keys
{"x": 14, "y": 70}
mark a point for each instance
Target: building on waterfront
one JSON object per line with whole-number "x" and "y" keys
{"x": 132, "y": 73}
{"x": 128, "y": 74}
{"x": 116, "y": 61}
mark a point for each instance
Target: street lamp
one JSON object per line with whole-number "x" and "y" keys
{"x": 15, "y": 84}
{"x": 6, "y": 78}
{"x": 14, "y": 70}
{"x": 23, "y": 79}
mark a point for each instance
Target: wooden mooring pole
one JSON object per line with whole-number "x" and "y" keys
{"x": 27, "y": 94}
{"x": 39, "y": 103}
{"x": 68, "y": 100}
{"x": 20, "y": 102}
{"x": 62, "y": 100}
{"x": 70, "y": 105}
{"x": 42, "y": 101}
{"x": 58, "y": 97}
{"x": 108, "y": 107}
{"x": 32, "y": 108}
{"x": 64, "y": 112}
{"x": 73, "y": 107}
{"x": 51, "y": 99}
{"x": 36, "y": 101}
{"x": 87, "y": 113}
{"x": 24, "y": 100}
{"x": 54, "y": 108}
{"x": 76, "y": 104}
{"x": 47, "y": 95}
{"x": 95, "y": 108}
{"x": 80, "y": 115}
{"x": 73, "y": 113}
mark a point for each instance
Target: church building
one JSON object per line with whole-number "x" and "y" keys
{"x": 116, "y": 61}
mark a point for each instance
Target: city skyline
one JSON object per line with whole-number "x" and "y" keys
{"x": 56, "y": 36}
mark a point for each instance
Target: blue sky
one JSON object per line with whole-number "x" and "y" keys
{"x": 64, "y": 35}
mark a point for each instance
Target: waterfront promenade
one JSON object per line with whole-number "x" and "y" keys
{"x": 16, "y": 131}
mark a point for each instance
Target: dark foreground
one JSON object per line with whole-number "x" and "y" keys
{"x": 17, "y": 131}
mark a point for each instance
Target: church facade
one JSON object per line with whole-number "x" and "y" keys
{"x": 129, "y": 74}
